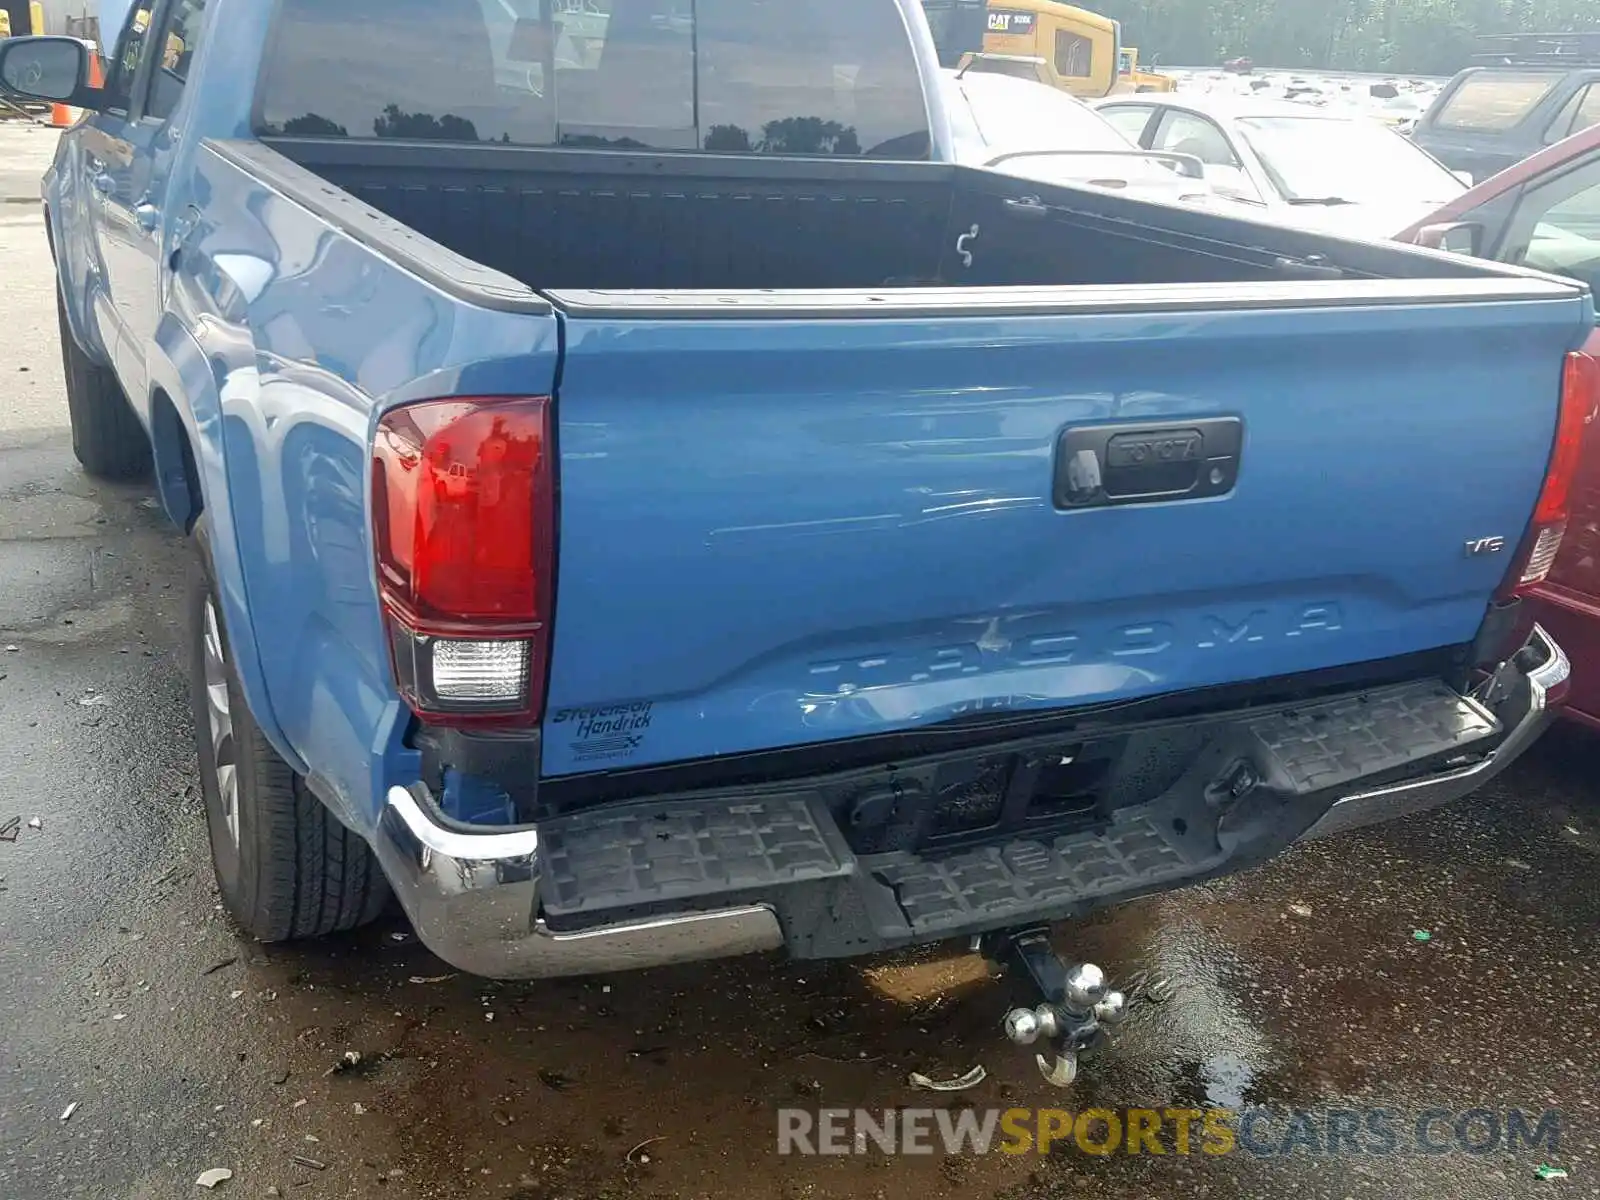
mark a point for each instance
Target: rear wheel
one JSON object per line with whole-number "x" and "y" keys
{"x": 285, "y": 867}
{"x": 106, "y": 435}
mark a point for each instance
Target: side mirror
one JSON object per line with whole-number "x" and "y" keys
{"x": 1458, "y": 237}
{"x": 1464, "y": 176}
{"x": 1186, "y": 165}
{"x": 52, "y": 69}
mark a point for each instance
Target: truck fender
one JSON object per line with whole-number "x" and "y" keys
{"x": 192, "y": 474}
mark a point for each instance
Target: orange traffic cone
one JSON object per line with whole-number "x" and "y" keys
{"x": 64, "y": 116}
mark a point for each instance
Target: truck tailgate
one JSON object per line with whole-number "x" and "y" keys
{"x": 787, "y": 519}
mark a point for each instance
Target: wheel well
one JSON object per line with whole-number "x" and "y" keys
{"x": 177, "y": 476}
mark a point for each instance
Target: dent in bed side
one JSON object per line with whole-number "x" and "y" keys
{"x": 74, "y": 248}
{"x": 312, "y": 336}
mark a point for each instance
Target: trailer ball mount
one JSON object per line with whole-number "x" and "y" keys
{"x": 1077, "y": 1004}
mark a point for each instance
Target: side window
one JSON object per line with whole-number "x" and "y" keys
{"x": 128, "y": 56}
{"x": 1128, "y": 119}
{"x": 1588, "y": 110}
{"x": 1562, "y": 125}
{"x": 1074, "y": 55}
{"x": 1494, "y": 101}
{"x": 1556, "y": 227}
{"x": 177, "y": 45}
{"x": 1185, "y": 133}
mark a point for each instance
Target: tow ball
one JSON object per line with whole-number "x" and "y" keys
{"x": 1076, "y": 1002}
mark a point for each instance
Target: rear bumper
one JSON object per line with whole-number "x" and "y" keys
{"x": 1573, "y": 620}
{"x": 713, "y": 875}
{"x": 1530, "y": 699}
{"x": 473, "y": 898}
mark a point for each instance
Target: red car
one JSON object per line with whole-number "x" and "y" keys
{"x": 1544, "y": 213}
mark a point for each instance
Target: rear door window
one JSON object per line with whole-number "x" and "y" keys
{"x": 184, "y": 22}
{"x": 1130, "y": 119}
{"x": 128, "y": 57}
{"x": 1556, "y": 226}
{"x": 1189, "y": 133}
{"x": 1576, "y": 115}
{"x": 1186, "y": 133}
{"x": 1492, "y": 101}
{"x": 806, "y": 77}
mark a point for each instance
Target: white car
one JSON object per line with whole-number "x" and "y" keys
{"x": 1041, "y": 133}
{"x": 1341, "y": 172}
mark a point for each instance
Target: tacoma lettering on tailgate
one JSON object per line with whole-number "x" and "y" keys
{"x": 1207, "y": 632}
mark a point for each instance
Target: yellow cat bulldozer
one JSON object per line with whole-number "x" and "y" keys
{"x": 1076, "y": 50}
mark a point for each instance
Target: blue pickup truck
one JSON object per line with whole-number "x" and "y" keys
{"x": 649, "y": 503}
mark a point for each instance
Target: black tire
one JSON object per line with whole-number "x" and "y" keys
{"x": 294, "y": 870}
{"x": 106, "y": 435}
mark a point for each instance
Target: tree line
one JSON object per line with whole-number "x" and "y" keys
{"x": 1417, "y": 37}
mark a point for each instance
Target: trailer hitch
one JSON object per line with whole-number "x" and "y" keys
{"x": 1077, "y": 1004}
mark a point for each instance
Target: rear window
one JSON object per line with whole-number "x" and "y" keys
{"x": 1494, "y": 100}
{"x": 795, "y": 77}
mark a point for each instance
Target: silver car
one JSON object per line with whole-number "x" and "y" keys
{"x": 1341, "y": 172}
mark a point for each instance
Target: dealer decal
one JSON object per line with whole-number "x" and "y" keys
{"x": 611, "y": 732}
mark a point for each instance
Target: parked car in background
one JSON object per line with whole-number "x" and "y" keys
{"x": 1292, "y": 163}
{"x": 1039, "y": 132}
{"x": 1544, "y": 213}
{"x": 1527, "y": 92}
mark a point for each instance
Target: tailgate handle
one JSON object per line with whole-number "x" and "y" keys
{"x": 1098, "y": 466}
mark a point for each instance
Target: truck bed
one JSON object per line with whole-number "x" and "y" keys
{"x": 559, "y": 219}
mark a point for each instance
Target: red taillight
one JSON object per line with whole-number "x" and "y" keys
{"x": 1580, "y": 394}
{"x": 463, "y": 511}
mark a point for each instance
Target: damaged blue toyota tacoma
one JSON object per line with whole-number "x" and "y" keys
{"x": 651, "y": 503}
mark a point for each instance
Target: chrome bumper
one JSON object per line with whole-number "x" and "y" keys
{"x": 473, "y": 897}
{"x": 473, "y": 900}
{"x": 1525, "y": 711}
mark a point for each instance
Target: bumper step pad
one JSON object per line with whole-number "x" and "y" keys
{"x": 991, "y": 884}
{"x": 689, "y": 850}
{"x": 702, "y": 852}
{"x": 1355, "y": 738}
{"x": 1314, "y": 748}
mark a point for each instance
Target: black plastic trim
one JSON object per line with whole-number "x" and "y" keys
{"x": 570, "y": 793}
{"x": 490, "y": 157}
{"x": 510, "y": 758}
